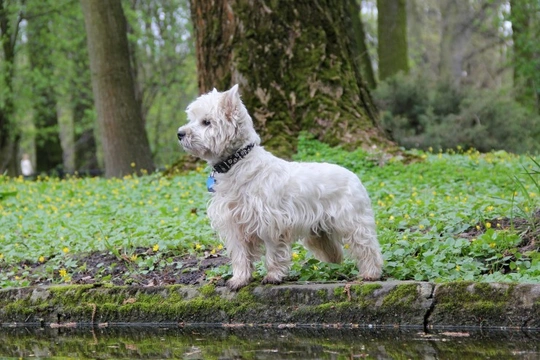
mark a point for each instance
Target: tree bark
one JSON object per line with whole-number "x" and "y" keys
{"x": 294, "y": 63}
{"x": 392, "y": 36}
{"x": 125, "y": 143}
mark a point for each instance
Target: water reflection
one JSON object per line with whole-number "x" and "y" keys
{"x": 257, "y": 343}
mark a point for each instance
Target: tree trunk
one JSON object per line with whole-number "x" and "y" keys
{"x": 361, "y": 51}
{"x": 47, "y": 138}
{"x": 392, "y": 36}
{"x": 9, "y": 131}
{"x": 455, "y": 37}
{"x": 294, "y": 63}
{"x": 526, "y": 63}
{"x": 125, "y": 144}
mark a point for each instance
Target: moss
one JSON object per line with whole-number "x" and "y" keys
{"x": 208, "y": 290}
{"x": 403, "y": 295}
{"x": 365, "y": 289}
{"x": 480, "y": 300}
{"x": 340, "y": 294}
{"x": 322, "y": 294}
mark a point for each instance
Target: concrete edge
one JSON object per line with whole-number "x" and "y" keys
{"x": 395, "y": 304}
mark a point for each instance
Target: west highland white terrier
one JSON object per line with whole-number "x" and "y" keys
{"x": 261, "y": 202}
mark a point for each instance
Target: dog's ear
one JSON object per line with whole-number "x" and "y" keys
{"x": 214, "y": 91}
{"x": 230, "y": 102}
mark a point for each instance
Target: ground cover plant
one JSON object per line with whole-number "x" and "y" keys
{"x": 447, "y": 216}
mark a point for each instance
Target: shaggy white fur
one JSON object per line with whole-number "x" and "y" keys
{"x": 264, "y": 202}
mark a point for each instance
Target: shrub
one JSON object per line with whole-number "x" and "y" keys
{"x": 420, "y": 114}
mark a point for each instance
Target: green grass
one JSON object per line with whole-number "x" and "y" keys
{"x": 451, "y": 216}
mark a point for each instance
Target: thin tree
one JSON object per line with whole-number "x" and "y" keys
{"x": 9, "y": 131}
{"x": 525, "y": 16}
{"x": 47, "y": 139}
{"x": 392, "y": 37}
{"x": 295, "y": 66}
{"x": 123, "y": 136}
{"x": 361, "y": 51}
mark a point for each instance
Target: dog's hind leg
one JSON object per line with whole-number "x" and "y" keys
{"x": 278, "y": 259}
{"x": 364, "y": 248}
{"x": 325, "y": 247}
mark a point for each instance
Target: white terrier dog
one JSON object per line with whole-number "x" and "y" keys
{"x": 259, "y": 200}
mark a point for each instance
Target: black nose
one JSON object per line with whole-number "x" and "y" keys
{"x": 181, "y": 135}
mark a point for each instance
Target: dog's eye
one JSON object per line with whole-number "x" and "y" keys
{"x": 206, "y": 122}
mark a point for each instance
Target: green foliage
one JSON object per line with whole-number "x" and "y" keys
{"x": 420, "y": 114}
{"x": 163, "y": 55}
{"x": 454, "y": 216}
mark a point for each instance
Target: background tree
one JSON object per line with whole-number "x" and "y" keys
{"x": 525, "y": 17}
{"x": 360, "y": 49}
{"x": 124, "y": 140}
{"x": 392, "y": 38}
{"x": 40, "y": 53}
{"x": 10, "y": 20}
{"x": 294, "y": 63}
{"x": 163, "y": 61}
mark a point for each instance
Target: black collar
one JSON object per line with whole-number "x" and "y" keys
{"x": 228, "y": 163}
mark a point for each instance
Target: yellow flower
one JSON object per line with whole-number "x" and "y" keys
{"x": 65, "y": 250}
{"x": 295, "y": 255}
{"x": 41, "y": 259}
{"x": 346, "y": 246}
{"x": 488, "y": 225}
{"x": 132, "y": 164}
{"x": 198, "y": 246}
{"x": 213, "y": 252}
{"x": 133, "y": 257}
{"x": 63, "y": 272}
{"x": 489, "y": 208}
{"x": 391, "y": 218}
{"x": 421, "y": 227}
{"x": 156, "y": 247}
{"x": 492, "y": 245}
{"x": 1, "y": 256}
{"x": 220, "y": 247}
{"x": 458, "y": 267}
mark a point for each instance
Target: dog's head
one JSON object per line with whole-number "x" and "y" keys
{"x": 218, "y": 126}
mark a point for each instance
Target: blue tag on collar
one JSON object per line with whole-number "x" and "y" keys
{"x": 210, "y": 183}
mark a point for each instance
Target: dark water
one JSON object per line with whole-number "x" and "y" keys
{"x": 257, "y": 343}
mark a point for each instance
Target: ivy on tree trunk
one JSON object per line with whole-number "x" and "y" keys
{"x": 295, "y": 66}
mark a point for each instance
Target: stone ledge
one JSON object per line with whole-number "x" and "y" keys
{"x": 374, "y": 304}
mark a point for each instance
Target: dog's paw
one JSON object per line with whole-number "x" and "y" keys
{"x": 271, "y": 280}
{"x": 236, "y": 284}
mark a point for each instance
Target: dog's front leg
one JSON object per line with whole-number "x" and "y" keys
{"x": 243, "y": 253}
